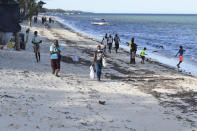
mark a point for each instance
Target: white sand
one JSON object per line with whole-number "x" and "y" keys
{"x": 34, "y": 99}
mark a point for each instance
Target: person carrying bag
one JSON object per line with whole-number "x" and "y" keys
{"x": 97, "y": 61}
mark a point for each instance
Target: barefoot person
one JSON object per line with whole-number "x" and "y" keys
{"x": 142, "y": 54}
{"x": 109, "y": 43}
{"x": 36, "y": 45}
{"x": 97, "y": 61}
{"x": 180, "y": 52}
{"x": 55, "y": 51}
{"x": 117, "y": 41}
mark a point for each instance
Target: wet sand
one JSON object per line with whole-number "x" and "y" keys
{"x": 148, "y": 96}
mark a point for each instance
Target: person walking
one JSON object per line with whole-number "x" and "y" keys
{"x": 117, "y": 41}
{"x": 110, "y": 42}
{"x": 97, "y": 61}
{"x": 104, "y": 42}
{"x": 142, "y": 54}
{"x": 30, "y": 20}
{"x": 55, "y": 51}
{"x": 35, "y": 19}
{"x": 133, "y": 50}
{"x": 42, "y": 19}
{"x": 50, "y": 20}
{"x": 130, "y": 48}
{"x": 180, "y": 52}
{"x": 36, "y": 45}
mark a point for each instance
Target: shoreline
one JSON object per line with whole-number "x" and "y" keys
{"x": 149, "y": 77}
{"x": 150, "y": 97}
{"x": 148, "y": 59}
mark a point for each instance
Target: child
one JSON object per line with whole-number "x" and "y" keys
{"x": 143, "y": 53}
{"x": 180, "y": 52}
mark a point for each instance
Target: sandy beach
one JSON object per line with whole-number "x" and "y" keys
{"x": 141, "y": 97}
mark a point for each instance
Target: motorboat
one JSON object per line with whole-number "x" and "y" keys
{"x": 102, "y": 22}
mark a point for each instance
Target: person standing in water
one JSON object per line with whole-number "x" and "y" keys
{"x": 55, "y": 51}
{"x": 180, "y": 52}
{"x": 36, "y": 42}
{"x": 104, "y": 42}
{"x": 142, "y": 54}
{"x": 117, "y": 41}
{"x": 133, "y": 50}
{"x": 110, "y": 42}
{"x": 97, "y": 61}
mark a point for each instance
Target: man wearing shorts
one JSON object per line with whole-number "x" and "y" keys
{"x": 180, "y": 52}
{"x": 36, "y": 45}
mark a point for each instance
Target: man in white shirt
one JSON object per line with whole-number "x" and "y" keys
{"x": 36, "y": 45}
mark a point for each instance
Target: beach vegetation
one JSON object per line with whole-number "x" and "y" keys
{"x": 44, "y": 10}
{"x": 29, "y": 8}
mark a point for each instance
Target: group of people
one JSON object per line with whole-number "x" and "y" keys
{"x": 133, "y": 50}
{"x": 108, "y": 42}
{"x": 55, "y": 49}
{"x": 35, "y": 20}
{"x": 30, "y": 20}
{"x": 55, "y": 52}
{"x": 44, "y": 19}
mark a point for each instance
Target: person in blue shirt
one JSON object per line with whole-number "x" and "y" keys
{"x": 55, "y": 51}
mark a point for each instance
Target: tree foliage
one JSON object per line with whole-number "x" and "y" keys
{"x": 30, "y": 7}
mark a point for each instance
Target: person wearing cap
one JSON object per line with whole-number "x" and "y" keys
{"x": 55, "y": 51}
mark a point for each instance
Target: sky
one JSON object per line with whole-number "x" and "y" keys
{"x": 126, "y": 6}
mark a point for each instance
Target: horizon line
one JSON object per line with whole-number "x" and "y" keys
{"x": 140, "y": 13}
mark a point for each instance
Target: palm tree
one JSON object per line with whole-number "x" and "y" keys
{"x": 30, "y": 7}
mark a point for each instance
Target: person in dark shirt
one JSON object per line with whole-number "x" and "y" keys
{"x": 97, "y": 61}
{"x": 35, "y": 19}
{"x": 117, "y": 41}
{"x": 180, "y": 52}
{"x": 133, "y": 50}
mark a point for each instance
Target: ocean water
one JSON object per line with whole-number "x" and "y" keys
{"x": 150, "y": 31}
